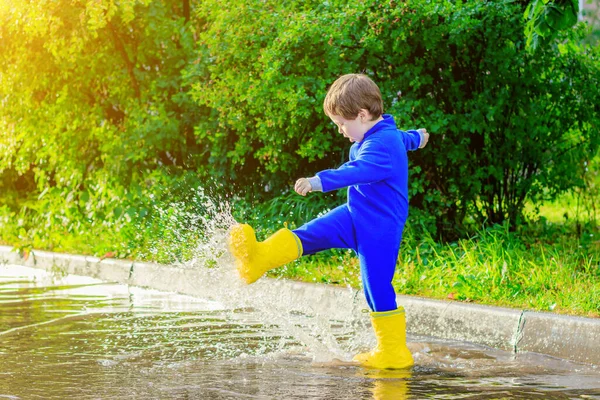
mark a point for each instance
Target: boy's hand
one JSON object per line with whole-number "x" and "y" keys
{"x": 302, "y": 186}
{"x": 425, "y": 136}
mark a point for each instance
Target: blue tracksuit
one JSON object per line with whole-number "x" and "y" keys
{"x": 372, "y": 220}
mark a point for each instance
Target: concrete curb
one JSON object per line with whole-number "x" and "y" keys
{"x": 571, "y": 338}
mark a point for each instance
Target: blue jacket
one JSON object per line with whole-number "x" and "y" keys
{"x": 377, "y": 181}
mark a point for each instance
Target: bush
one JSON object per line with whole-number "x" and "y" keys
{"x": 99, "y": 117}
{"x": 91, "y": 94}
{"x": 96, "y": 127}
{"x": 507, "y": 126}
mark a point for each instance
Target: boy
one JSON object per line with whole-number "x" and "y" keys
{"x": 370, "y": 223}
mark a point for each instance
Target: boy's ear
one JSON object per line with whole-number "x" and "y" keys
{"x": 363, "y": 115}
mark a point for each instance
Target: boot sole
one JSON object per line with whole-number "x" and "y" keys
{"x": 242, "y": 243}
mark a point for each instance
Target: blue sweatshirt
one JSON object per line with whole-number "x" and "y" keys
{"x": 377, "y": 181}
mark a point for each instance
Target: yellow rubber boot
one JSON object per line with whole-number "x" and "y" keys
{"x": 391, "y": 350}
{"x": 253, "y": 258}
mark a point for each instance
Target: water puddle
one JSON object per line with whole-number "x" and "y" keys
{"x": 77, "y": 337}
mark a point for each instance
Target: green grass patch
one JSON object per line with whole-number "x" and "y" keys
{"x": 544, "y": 267}
{"x": 550, "y": 264}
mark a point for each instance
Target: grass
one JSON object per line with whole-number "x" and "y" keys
{"x": 495, "y": 267}
{"x": 552, "y": 264}
{"x": 570, "y": 207}
{"x": 503, "y": 268}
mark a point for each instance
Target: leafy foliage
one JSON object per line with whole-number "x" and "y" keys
{"x": 507, "y": 125}
{"x": 547, "y": 18}
{"x": 110, "y": 109}
{"x": 94, "y": 113}
{"x": 266, "y": 92}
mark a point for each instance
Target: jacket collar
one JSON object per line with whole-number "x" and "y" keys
{"x": 387, "y": 123}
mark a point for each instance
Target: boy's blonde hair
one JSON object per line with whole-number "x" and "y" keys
{"x": 351, "y": 92}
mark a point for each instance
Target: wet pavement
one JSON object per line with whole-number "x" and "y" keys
{"x": 78, "y": 337}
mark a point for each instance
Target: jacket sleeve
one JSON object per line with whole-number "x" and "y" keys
{"x": 411, "y": 139}
{"x": 373, "y": 163}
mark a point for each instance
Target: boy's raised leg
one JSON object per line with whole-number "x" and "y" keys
{"x": 253, "y": 258}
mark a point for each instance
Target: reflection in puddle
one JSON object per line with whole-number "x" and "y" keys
{"x": 78, "y": 337}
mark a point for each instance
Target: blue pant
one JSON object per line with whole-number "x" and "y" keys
{"x": 377, "y": 258}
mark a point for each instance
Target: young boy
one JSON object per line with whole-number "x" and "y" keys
{"x": 370, "y": 223}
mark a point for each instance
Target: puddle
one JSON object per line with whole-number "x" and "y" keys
{"x": 78, "y": 337}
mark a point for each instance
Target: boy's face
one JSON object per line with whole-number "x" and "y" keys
{"x": 353, "y": 129}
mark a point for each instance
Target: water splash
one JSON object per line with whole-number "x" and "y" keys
{"x": 324, "y": 336}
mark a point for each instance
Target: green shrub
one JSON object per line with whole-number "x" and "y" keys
{"x": 96, "y": 124}
{"x": 99, "y": 117}
{"x": 507, "y": 125}
{"x": 92, "y": 96}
